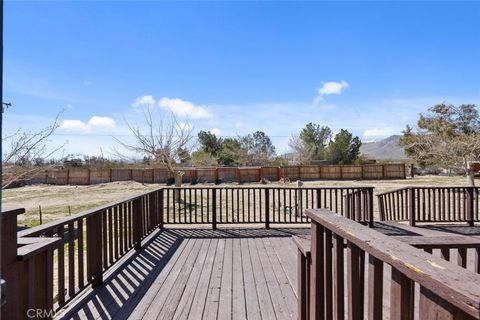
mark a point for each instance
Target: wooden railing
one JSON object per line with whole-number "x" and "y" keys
{"x": 74, "y": 252}
{"x": 243, "y": 205}
{"x": 336, "y": 290}
{"x": 61, "y": 258}
{"x": 430, "y": 204}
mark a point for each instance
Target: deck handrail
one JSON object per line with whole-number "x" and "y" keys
{"x": 430, "y": 204}
{"x": 445, "y": 295}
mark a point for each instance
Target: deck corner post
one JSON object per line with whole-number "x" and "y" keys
{"x": 370, "y": 208}
{"x": 411, "y": 206}
{"x": 267, "y": 208}
{"x": 469, "y": 206}
{"x": 214, "y": 208}
{"x": 94, "y": 248}
{"x": 160, "y": 208}
{"x": 8, "y": 241}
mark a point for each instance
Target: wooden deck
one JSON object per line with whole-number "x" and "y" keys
{"x": 200, "y": 274}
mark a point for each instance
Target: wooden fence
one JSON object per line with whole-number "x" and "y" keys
{"x": 347, "y": 269}
{"x": 48, "y": 265}
{"x": 430, "y": 204}
{"x": 80, "y": 176}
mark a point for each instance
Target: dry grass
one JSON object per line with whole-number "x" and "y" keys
{"x": 55, "y": 200}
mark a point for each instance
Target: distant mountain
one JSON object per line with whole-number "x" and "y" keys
{"x": 385, "y": 149}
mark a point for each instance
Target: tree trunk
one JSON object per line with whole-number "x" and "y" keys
{"x": 470, "y": 177}
{"x": 469, "y": 172}
{"x": 177, "y": 175}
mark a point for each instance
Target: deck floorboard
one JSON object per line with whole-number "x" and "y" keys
{"x": 199, "y": 274}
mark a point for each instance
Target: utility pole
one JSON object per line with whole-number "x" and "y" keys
{"x": 2, "y": 282}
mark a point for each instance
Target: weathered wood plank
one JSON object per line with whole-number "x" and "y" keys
{"x": 238, "y": 295}
{"x": 183, "y": 306}
{"x": 213, "y": 296}
{"x": 251, "y": 298}
{"x": 198, "y": 302}
{"x": 225, "y": 303}
{"x": 264, "y": 299}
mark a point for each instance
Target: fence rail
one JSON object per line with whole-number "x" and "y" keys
{"x": 430, "y": 204}
{"x": 80, "y": 176}
{"x": 352, "y": 270}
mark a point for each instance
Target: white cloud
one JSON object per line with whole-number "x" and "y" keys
{"x": 377, "y": 133}
{"x": 102, "y": 122}
{"x": 74, "y": 125}
{"x": 144, "y": 101}
{"x": 329, "y": 88}
{"x": 95, "y": 122}
{"x": 183, "y": 108}
{"x": 216, "y": 131}
{"x": 87, "y": 83}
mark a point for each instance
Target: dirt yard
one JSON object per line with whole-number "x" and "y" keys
{"x": 59, "y": 201}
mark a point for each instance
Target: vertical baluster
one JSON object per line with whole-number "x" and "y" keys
{"x": 401, "y": 296}
{"x": 317, "y": 303}
{"x": 339, "y": 292}
{"x": 110, "y": 237}
{"x": 355, "y": 296}
{"x": 71, "y": 259}
{"x": 375, "y": 288}
{"x": 61, "y": 266}
{"x": 328, "y": 275}
{"x": 80, "y": 254}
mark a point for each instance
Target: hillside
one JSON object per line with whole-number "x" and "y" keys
{"x": 385, "y": 149}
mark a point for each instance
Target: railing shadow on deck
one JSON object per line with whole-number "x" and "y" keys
{"x": 126, "y": 285}
{"x": 239, "y": 233}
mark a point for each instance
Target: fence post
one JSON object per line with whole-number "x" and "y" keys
{"x": 267, "y": 208}
{"x": 68, "y": 176}
{"x": 94, "y": 248}
{"x": 137, "y": 223}
{"x": 469, "y": 206}
{"x": 370, "y": 208}
{"x": 411, "y": 205}
{"x": 214, "y": 209}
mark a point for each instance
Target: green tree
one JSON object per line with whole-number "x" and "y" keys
{"x": 311, "y": 143}
{"x": 258, "y": 147}
{"x": 209, "y": 143}
{"x": 344, "y": 148}
{"x": 447, "y": 137}
{"x": 231, "y": 152}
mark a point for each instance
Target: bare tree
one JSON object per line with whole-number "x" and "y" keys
{"x": 165, "y": 143}
{"x": 26, "y": 152}
{"x": 447, "y": 137}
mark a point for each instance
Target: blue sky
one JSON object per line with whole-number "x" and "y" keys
{"x": 235, "y": 67}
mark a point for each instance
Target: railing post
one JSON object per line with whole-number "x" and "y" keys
{"x": 317, "y": 302}
{"x": 94, "y": 248}
{"x": 370, "y": 208}
{"x": 8, "y": 242}
{"x": 152, "y": 210}
{"x": 137, "y": 223}
{"x": 469, "y": 206}
{"x": 214, "y": 209}
{"x": 411, "y": 205}
{"x": 160, "y": 208}
{"x": 267, "y": 208}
